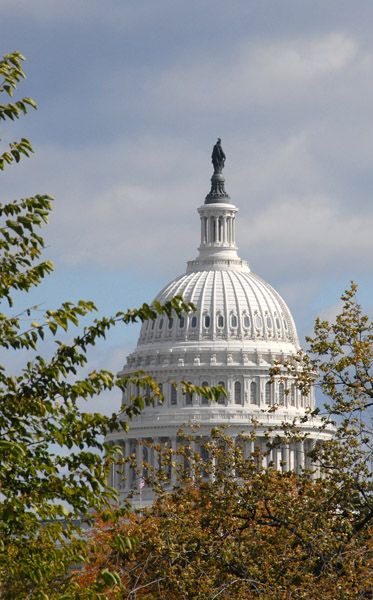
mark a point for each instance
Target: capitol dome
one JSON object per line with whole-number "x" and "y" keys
{"x": 240, "y": 328}
{"x": 234, "y": 305}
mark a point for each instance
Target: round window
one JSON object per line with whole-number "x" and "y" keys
{"x": 207, "y": 321}
{"x": 234, "y": 321}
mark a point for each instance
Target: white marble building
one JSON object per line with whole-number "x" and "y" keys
{"x": 242, "y": 325}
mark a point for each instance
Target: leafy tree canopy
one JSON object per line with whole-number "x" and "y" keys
{"x": 53, "y": 473}
{"x": 231, "y": 529}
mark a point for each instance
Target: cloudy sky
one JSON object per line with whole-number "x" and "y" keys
{"x": 132, "y": 95}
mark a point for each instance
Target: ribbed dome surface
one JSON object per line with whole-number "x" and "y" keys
{"x": 231, "y": 304}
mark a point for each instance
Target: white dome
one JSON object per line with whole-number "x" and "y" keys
{"x": 240, "y": 329}
{"x": 230, "y": 305}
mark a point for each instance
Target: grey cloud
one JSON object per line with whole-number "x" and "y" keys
{"x": 124, "y": 145}
{"x": 260, "y": 72}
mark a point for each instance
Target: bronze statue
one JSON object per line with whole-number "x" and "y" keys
{"x": 218, "y": 157}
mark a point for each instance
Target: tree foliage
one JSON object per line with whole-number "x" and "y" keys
{"x": 231, "y": 529}
{"x": 53, "y": 460}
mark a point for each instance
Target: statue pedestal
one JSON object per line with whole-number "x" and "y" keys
{"x": 217, "y": 192}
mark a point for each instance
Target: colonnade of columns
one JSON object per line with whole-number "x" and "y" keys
{"x": 218, "y": 230}
{"x": 146, "y": 453}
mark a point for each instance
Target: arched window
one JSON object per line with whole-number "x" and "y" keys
{"x": 170, "y": 322}
{"x": 193, "y": 322}
{"x": 160, "y": 385}
{"x": 161, "y": 323}
{"x": 281, "y": 394}
{"x": 234, "y": 321}
{"x": 237, "y": 393}
{"x": 173, "y": 397}
{"x": 207, "y": 321}
{"x": 222, "y": 397}
{"x": 188, "y": 398}
{"x": 268, "y": 393}
{"x": 220, "y": 321}
{"x": 246, "y": 321}
{"x": 181, "y": 322}
{"x": 292, "y": 395}
{"x": 204, "y": 401}
{"x": 258, "y": 321}
{"x": 253, "y": 393}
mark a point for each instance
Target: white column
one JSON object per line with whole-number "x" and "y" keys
{"x": 126, "y": 470}
{"x": 138, "y": 463}
{"x": 224, "y": 230}
{"x": 252, "y": 449}
{"x": 264, "y": 450}
{"x": 245, "y": 449}
{"x": 279, "y": 458}
{"x": 286, "y": 457}
{"x": 300, "y": 457}
{"x": 271, "y": 457}
{"x": 292, "y": 464}
{"x": 309, "y": 446}
{"x": 155, "y": 455}
{"x": 173, "y": 460}
{"x": 274, "y": 457}
{"x": 230, "y": 394}
{"x": 191, "y": 461}
{"x": 234, "y": 442}
{"x": 228, "y": 231}
{"x": 213, "y": 467}
{"x": 233, "y": 231}
{"x": 262, "y": 399}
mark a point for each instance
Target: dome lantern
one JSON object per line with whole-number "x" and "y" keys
{"x": 218, "y": 249}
